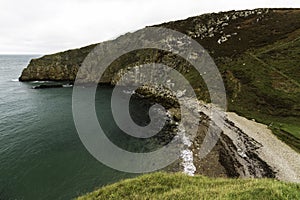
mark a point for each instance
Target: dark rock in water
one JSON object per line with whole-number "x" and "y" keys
{"x": 47, "y": 86}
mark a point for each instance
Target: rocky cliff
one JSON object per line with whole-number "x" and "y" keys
{"x": 244, "y": 148}
{"x": 57, "y": 67}
{"x": 224, "y": 35}
{"x": 257, "y": 53}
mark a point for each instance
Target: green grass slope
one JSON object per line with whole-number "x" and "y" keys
{"x": 180, "y": 186}
{"x": 261, "y": 70}
{"x": 266, "y": 86}
{"x": 260, "y": 67}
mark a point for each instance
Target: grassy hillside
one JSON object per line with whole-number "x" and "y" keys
{"x": 260, "y": 65}
{"x": 179, "y": 186}
{"x": 264, "y": 84}
{"x": 256, "y": 51}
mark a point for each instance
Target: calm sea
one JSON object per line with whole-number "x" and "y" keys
{"x": 41, "y": 156}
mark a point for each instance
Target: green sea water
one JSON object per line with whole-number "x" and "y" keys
{"x": 41, "y": 155}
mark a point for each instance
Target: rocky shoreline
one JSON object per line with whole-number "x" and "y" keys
{"x": 236, "y": 154}
{"x": 245, "y": 149}
{"x": 228, "y": 158}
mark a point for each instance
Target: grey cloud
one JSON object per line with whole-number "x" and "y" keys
{"x": 35, "y": 26}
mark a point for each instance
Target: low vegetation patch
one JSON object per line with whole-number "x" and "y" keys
{"x": 180, "y": 186}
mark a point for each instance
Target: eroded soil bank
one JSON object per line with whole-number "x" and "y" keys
{"x": 244, "y": 149}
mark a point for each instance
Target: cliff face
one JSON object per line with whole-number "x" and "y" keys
{"x": 257, "y": 53}
{"x": 223, "y": 35}
{"x": 236, "y": 153}
{"x": 57, "y": 67}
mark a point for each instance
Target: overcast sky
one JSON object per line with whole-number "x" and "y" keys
{"x": 42, "y": 27}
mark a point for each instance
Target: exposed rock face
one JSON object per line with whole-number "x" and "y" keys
{"x": 245, "y": 149}
{"x": 57, "y": 67}
{"x": 237, "y": 29}
{"x": 228, "y": 37}
{"x": 230, "y": 157}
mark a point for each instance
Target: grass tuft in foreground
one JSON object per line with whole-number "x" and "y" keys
{"x": 180, "y": 186}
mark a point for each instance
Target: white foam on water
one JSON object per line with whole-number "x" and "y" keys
{"x": 128, "y": 92}
{"x": 40, "y": 81}
{"x": 188, "y": 164}
{"x": 14, "y": 80}
{"x": 186, "y": 154}
{"x": 67, "y": 86}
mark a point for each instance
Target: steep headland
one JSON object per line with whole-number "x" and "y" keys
{"x": 256, "y": 51}
{"x": 258, "y": 54}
